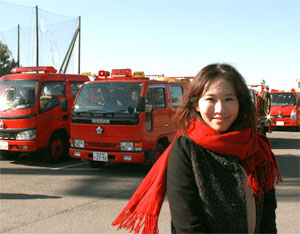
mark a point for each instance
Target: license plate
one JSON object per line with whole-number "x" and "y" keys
{"x": 4, "y": 145}
{"x": 279, "y": 123}
{"x": 100, "y": 156}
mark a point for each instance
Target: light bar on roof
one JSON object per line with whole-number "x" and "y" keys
{"x": 139, "y": 74}
{"x": 121, "y": 72}
{"x": 103, "y": 73}
{"x": 46, "y": 69}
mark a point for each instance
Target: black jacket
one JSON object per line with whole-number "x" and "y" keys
{"x": 206, "y": 194}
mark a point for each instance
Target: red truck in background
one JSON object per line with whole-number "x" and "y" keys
{"x": 124, "y": 117}
{"x": 261, "y": 98}
{"x": 285, "y": 107}
{"x": 35, "y": 108}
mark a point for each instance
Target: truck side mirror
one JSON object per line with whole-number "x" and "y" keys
{"x": 64, "y": 105}
{"x": 140, "y": 106}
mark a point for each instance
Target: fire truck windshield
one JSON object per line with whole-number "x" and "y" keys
{"x": 283, "y": 99}
{"x": 108, "y": 97}
{"x": 17, "y": 94}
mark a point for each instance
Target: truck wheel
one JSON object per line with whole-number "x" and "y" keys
{"x": 57, "y": 147}
{"x": 95, "y": 164}
{"x": 266, "y": 103}
{"x": 8, "y": 155}
{"x": 159, "y": 149}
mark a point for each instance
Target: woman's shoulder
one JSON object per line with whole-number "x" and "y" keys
{"x": 182, "y": 141}
{"x": 186, "y": 144}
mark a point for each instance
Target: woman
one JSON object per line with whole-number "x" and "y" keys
{"x": 219, "y": 172}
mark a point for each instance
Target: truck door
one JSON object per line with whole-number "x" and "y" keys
{"x": 156, "y": 114}
{"x": 50, "y": 115}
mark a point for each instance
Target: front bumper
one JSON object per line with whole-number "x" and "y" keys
{"x": 284, "y": 123}
{"x": 126, "y": 157}
{"x": 18, "y": 146}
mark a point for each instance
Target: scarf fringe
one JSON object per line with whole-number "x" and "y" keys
{"x": 262, "y": 179}
{"x": 135, "y": 221}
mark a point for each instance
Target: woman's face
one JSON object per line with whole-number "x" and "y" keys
{"x": 219, "y": 105}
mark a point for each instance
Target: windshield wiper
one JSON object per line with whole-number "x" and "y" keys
{"x": 109, "y": 113}
{"x": 81, "y": 112}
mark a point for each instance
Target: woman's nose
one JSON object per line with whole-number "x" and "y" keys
{"x": 219, "y": 107}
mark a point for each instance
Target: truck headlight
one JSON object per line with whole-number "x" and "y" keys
{"x": 78, "y": 143}
{"x": 131, "y": 146}
{"x": 293, "y": 115}
{"x": 26, "y": 135}
{"x": 126, "y": 146}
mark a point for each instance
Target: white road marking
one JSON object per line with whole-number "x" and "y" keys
{"x": 68, "y": 166}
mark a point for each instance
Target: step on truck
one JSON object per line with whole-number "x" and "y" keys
{"x": 124, "y": 117}
{"x": 35, "y": 109}
{"x": 285, "y": 108}
{"x": 261, "y": 98}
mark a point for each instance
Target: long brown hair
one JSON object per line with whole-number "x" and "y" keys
{"x": 196, "y": 89}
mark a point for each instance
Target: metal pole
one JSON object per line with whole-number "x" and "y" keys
{"x": 37, "y": 36}
{"x": 71, "y": 49}
{"x": 69, "y": 53}
{"x": 79, "y": 43}
{"x": 18, "y": 45}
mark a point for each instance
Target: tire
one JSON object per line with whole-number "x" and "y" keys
{"x": 159, "y": 149}
{"x": 8, "y": 155}
{"x": 95, "y": 164}
{"x": 57, "y": 148}
{"x": 266, "y": 103}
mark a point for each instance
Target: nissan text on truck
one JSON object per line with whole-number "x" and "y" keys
{"x": 35, "y": 108}
{"x": 124, "y": 117}
{"x": 285, "y": 108}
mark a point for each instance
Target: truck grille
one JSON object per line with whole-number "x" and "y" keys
{"x": 101, "y": 145}
{"x": 282, "y": 116}
{"x": 7, "y": 135}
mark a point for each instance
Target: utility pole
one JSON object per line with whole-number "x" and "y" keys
{"x": 37, "y": 36}
{"x": 18, "y": 45}
{"x": 79, "y": 41}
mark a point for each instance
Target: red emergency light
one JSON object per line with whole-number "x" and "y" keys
{"x": 121, "y": 72}
{"x": 103, "y": 73}
{"x": 46, "y": 69}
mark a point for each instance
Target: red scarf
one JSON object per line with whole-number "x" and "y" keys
{"x": 253, "y": 150}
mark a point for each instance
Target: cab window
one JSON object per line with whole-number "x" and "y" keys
{"x": 75, "y": 87}
{"x": 155, "y": 98}
{"x": 176, "y": 95}
{"x": 51, "y": 95}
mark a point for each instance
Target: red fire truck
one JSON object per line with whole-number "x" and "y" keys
{"x": 261, "y": 99}
{"x": 35, "y": 108}
{"x": 285, "y": 107}
{"x": 124, "y": 117}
